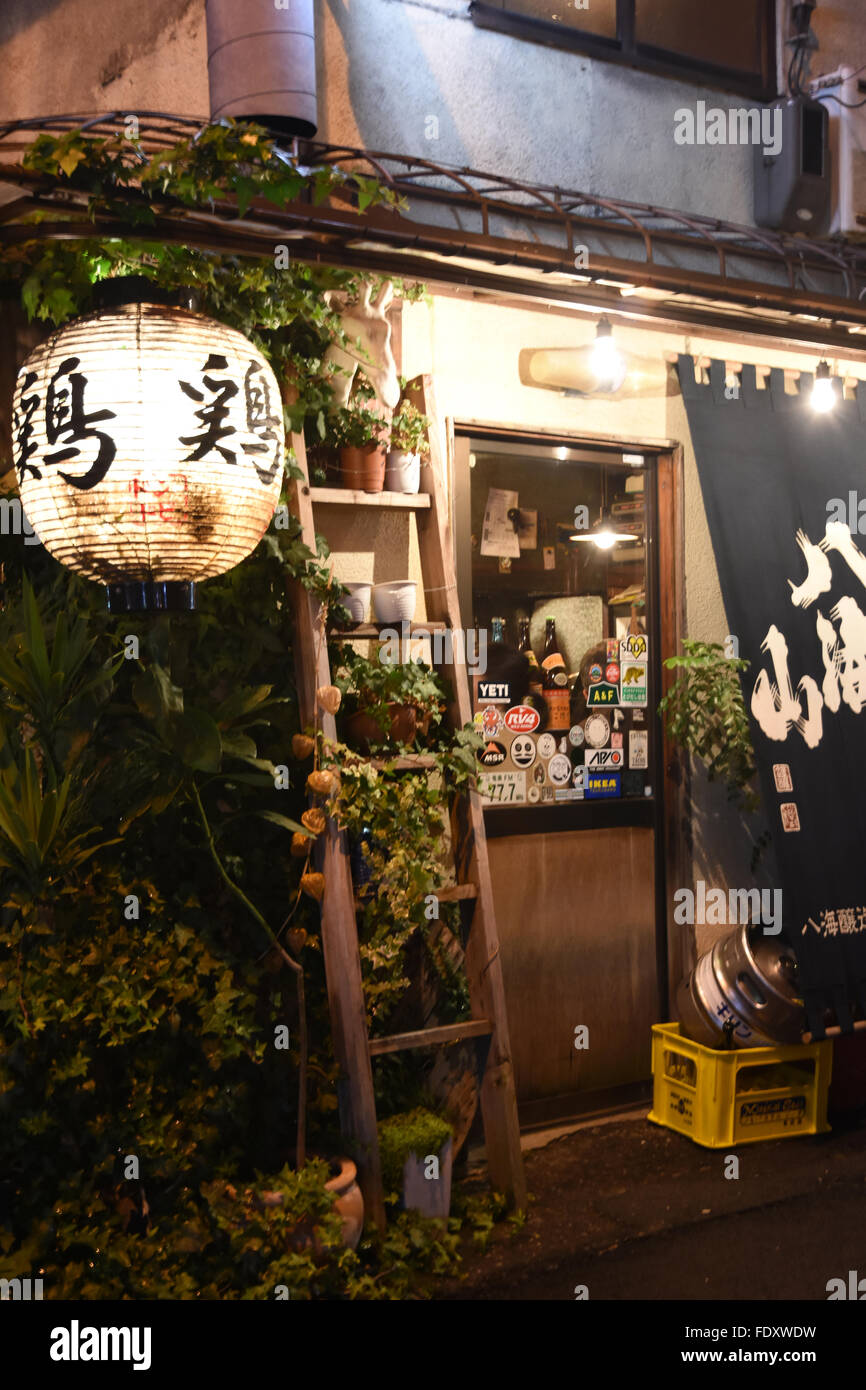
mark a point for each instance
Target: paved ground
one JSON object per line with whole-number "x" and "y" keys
{"x": 634, "y": 1211}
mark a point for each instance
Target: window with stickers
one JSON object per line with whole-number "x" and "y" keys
{"x": 554, "y": 548}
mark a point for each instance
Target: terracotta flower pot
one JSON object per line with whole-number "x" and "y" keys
{"x": 349, "y": 1204}
{"x": 362, "y": 730}
{"x": 363, "y": 469}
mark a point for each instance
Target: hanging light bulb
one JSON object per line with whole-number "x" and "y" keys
{"x": 823, "y": 394}
{"x": 607, "y": 361}
{"x": 605, "y": 533}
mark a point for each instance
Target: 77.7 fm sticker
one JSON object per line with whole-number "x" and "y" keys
{"x": 502, "y": 788}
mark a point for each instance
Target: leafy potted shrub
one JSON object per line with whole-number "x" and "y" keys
{"x": 408, "y": 442}
{"x": 415, "y": 1149}
{"x": 388, "y": 703}
{"x": 360, "y": 436}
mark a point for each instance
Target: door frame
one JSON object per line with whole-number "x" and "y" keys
{"x": 671, "y": 806}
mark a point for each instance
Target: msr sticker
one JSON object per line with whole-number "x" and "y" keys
{"x": 638, "y": 748}
{"x": 790, "y": 816}
{"x": 782, "y": 777}
{"x": 493, "y": 755}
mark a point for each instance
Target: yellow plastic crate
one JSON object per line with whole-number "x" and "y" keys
{"x": 721, "y": 1099}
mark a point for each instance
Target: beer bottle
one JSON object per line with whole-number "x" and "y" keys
{"x": 498, "y": 626}
{"x": 555, "y": 680}
{"x": 523, "y": 646}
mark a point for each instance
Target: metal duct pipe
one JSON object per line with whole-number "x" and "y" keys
{"x": 261, "y": 60}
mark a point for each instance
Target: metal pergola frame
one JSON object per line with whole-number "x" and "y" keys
{"x": 488, "y": 231}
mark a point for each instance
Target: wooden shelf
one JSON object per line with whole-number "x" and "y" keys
{"x": 348, "y": 497}
{"x": 372, "y": 630}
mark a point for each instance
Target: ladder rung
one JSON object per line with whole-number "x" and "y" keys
{"x": 373, "y": 630}
{"x": 409, "y": 762}
{"x": 429, "y": 1037}
{"x": 458, "y": 892}
{"x": 348, "y": 497}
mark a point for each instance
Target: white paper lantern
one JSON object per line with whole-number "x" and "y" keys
{"x": 149, "y": 448}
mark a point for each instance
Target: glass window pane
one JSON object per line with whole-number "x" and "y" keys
{"x": 728, "y": 35}
{"x": 561, "y": 534}
{"x": 598, "y": 18}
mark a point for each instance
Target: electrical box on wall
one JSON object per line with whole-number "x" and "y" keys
{"x": 847, "y": 125}
{"x": 793, "y": 187}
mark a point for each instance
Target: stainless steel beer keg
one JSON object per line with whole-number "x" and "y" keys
{"x": 748, "y": 981}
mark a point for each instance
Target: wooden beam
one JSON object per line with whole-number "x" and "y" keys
{"x": 483, "y": 966}
{"x": 339, "y": 932}
{"x": 431, "y": 1037}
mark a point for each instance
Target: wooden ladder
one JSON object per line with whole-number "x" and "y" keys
{"x": 353, "y": 1047}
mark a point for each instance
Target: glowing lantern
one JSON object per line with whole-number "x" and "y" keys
{"x": 149, "y": 448}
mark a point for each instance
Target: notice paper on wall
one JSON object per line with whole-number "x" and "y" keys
{"x": 527, "y": 530}
{"x": 499, "y": 536}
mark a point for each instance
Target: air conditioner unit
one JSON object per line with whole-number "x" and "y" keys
{"x": 847, "y": 149}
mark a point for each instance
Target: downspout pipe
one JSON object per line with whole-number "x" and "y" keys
{"x": 261, "y": 59}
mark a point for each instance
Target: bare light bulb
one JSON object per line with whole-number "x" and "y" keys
{"x": 823, "y": 394}
{"x": 607, "y": 362}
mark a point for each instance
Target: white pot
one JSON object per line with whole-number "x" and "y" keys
{"x": 357, "y": 601}
{"x": 395, "y": 602}
{"x": 402, "y": 472}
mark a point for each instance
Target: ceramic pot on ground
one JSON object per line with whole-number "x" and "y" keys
{"x": 403, "y": 471}
{"x": 431, "y": 1197}
{"x": 395, "y": 602}
{"x": 363, "y": 469}
{"x": 349, "y": 1204}
{"x": 357, "y": 601}
{"x": 362, "y": 730}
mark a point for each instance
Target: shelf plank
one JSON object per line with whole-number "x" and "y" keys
{"x": 430, "y": 1037}
{"x": 348, "y": 497}
{"x": 409, "y": 762}
{"x": 372, "y": 630}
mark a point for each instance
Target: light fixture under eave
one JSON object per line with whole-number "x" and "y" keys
{"x": 823, "y": 391}
{"x": 607, "y": 362}
{"x": 149, "y": 448}
{"x": 605, "y": 534}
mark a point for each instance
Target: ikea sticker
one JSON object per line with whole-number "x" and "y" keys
{"x": 602, "y": 784}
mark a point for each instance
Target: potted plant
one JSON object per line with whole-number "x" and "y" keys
{"x": 387, "y": 702}
{"x": 408, "y": 442}
{"x": 360, "y": 435}
{"x": 416, "y": 1151}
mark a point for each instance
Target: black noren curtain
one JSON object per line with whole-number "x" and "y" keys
{"x": 782, "y": 486}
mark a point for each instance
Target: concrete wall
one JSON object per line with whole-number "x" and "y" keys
{"x": 411, "y": 76}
